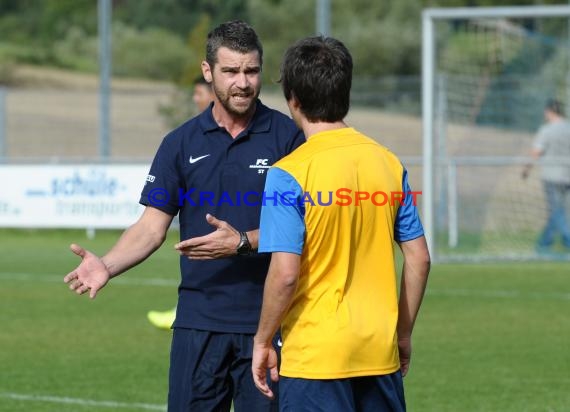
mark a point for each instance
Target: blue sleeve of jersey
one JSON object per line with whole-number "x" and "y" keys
{"x": 282, "y": 226}
{"x": 408, "y": 225}
{"x": 163, "y": 185}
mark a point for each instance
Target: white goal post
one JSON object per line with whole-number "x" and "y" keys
{"x": 431, "y": 99}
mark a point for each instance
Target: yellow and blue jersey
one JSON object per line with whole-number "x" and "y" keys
{"x": 339, "y": 201}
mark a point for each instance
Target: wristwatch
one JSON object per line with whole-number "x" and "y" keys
{"x": 244, "y": 247}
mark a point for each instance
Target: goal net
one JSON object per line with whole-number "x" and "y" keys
{"x": 490, "y": 72}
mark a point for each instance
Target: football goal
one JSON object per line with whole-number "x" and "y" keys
{"x": 486, "y": 76}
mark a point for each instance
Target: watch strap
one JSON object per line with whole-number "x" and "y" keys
{"x": 244, "y": 246}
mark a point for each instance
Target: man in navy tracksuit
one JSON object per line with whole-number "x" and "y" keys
{"x": 211, "y": 172}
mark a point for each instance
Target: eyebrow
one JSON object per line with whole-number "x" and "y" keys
{"x": 256, "y": 68}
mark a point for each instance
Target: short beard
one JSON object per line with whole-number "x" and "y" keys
{"x": 225, "y": 102}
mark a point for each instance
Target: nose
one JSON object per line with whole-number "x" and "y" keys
{"x": 242, "y": 81}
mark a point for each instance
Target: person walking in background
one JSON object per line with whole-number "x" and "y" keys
{"x": 202, "y": 96}
{"x": 223, "y": 152}
{"x": 331, "y": 284}
{"x": 552, "y": 147}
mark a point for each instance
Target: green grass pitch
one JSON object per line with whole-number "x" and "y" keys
{"x": 490, "y": 337}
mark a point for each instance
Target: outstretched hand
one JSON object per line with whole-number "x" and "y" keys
{"x": 221, "y": 243}
{"x": 91, "y": 274}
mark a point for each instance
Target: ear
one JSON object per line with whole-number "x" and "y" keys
{"x": 206, "y": 71}
{"x": 295, "y": 110}
{"x": 294, "y": 102}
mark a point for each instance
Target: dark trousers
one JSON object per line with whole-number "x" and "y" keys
{"x": 381, "y": 393}
{"x": 208, "y": 370}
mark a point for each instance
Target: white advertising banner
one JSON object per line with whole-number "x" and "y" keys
{"x": 71, "y": 196}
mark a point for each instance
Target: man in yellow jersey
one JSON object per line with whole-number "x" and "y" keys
{"x": 332, "y": 211}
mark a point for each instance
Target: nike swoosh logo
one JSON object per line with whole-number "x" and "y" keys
{"x": 196, "y": 159}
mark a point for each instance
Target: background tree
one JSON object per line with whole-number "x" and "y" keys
{"x": 151, "y": 39}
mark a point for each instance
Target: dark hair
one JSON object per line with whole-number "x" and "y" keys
{"x": 554, "y": 106}
{"x": 317, "y": 71}
{"x": 236, "y": 35}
